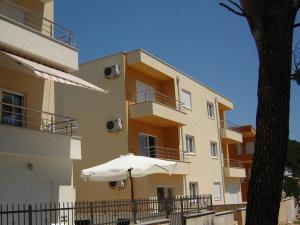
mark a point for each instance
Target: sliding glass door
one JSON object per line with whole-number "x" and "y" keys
{"x": 147, "y": 144}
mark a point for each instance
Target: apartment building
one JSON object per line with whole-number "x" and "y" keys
{"x": 38, "y": 147}
{"x": 240, "y": 156}
{"x": 153, "y": 110}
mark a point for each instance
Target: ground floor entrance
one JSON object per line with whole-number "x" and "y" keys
{"x": 25, "y": 191}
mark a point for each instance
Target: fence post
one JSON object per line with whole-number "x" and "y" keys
{"x": 198, "y": 203}
{"x": 181, "y": 211}
{"x": 134, "y": 211}
{"x": 211, "y": 206}
{"x": 29, "y": 215}
{"x": 91, "y": 213}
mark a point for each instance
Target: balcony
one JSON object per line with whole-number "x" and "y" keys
{"x": 26, "y": 131}
{"x": 156, "y": 108}
{"x": 143, "y": 61}
{"x": 234, "y": 168}
{"x": 229, "y": 133}
{"x": 159, "y": 152}
{"x": 42, "y": 39}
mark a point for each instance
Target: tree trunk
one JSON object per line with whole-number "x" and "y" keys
{"x": 271, "y": 24}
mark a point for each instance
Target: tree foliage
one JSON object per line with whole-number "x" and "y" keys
{"x": 293, "y": 157}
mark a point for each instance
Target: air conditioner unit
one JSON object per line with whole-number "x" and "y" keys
{"x": 114, "y": 125}
{"x": 116, "y": 184}
{"x": 112, "y": 71}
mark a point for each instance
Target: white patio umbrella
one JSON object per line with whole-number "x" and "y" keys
{"x": 128, "y": 166}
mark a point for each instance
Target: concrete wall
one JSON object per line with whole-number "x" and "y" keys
{"x": 224, "y": 218}
{"x": 288, "y": 211}
{"x": 241, "y": 216}
{"x": 205, "y": 218}
{"x": 204, "y": 130}
{"x": 93, "y": 110}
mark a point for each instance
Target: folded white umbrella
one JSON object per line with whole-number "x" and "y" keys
{"x": 126, "y": 166}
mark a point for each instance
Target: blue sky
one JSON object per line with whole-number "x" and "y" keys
{"x": 198, "y": 37}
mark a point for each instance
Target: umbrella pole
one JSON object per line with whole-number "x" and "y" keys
{"x": 132, "y": 197}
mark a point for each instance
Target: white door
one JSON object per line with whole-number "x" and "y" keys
{"x": 144, "y": 92}
{"x": 38, "y": 191}
{"x": 25, "y": 191}
{"x": 148, "y": 145}
{"x": 234, "y": 193}
{"x": 12, "y": 192}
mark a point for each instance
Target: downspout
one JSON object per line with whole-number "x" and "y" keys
{"x": 181, "y": 134}
{"x": 220, "y": 148}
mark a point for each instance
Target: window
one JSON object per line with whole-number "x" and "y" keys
{"x": 186, "y": 99}
{"x": 217, "y": 191}
{"x": 164, "y": 192}
{"x": 210, "y": 110}
{"x": 190, "y": 144}
{"x": 193, "y": 189}
{"x": 144, "y": 92}
{"x": 213, "y": 149}
{"x": 148, "y": 145}
{"x": 11, "y": 111}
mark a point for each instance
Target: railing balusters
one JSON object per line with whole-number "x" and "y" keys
{"x": 106, "y": 212}
{"x": 39, "y": 120}
{"x": 39, "y": 23}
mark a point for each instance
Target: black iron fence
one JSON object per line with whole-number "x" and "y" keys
{"x": 119, "y": 212}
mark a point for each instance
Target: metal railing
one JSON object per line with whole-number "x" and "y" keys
{"x": 245, "y": 151}
{"x": 233, "y": 163}
{"x": 120, "y": 212}
{"x": 228, "y": 125}
{"x": 35, "y": 119}
{"x": 163, "y": 153}
{"x": 28, "y": 18}
{"x": 155, "y": 96}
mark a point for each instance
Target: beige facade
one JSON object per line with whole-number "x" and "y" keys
{"x": 147, "y": 96}
{"x": 37, "y": 146}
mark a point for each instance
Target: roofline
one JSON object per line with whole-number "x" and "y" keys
{"x": 179, "y": 71}
{"x": 160, "y": 60}
{"x": 104, "y": 57}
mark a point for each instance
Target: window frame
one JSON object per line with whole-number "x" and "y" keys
{"x": 13, "y": 92}
{"x": 208, "y": 105}
{"x": 196, "y": 186}
{"x": 193, "y": 152}
{"x": 214, "y": 143}
{"x": 217, "y": 198}
{"x": 190, "y": 97}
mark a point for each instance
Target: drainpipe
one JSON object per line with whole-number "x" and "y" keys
{"x": 181, "y": 134}
{"x": 220, "y": 148}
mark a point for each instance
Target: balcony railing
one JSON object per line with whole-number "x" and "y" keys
{"x": 28, "y": 18}
{"x": 35, "y": 119}
{"x": 155, "y": 96}
{"x": 228, "y": 125}
{"x": 162, "y": 153}
{"x": 233, "y": 163}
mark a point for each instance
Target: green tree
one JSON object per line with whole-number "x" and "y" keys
{"x": 271, "y": 24}
{"x": 293, "y": 157}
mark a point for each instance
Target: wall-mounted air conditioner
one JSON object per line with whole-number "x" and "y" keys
{"x": 112, "y": 71}
{"x": 114, "y": 125}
